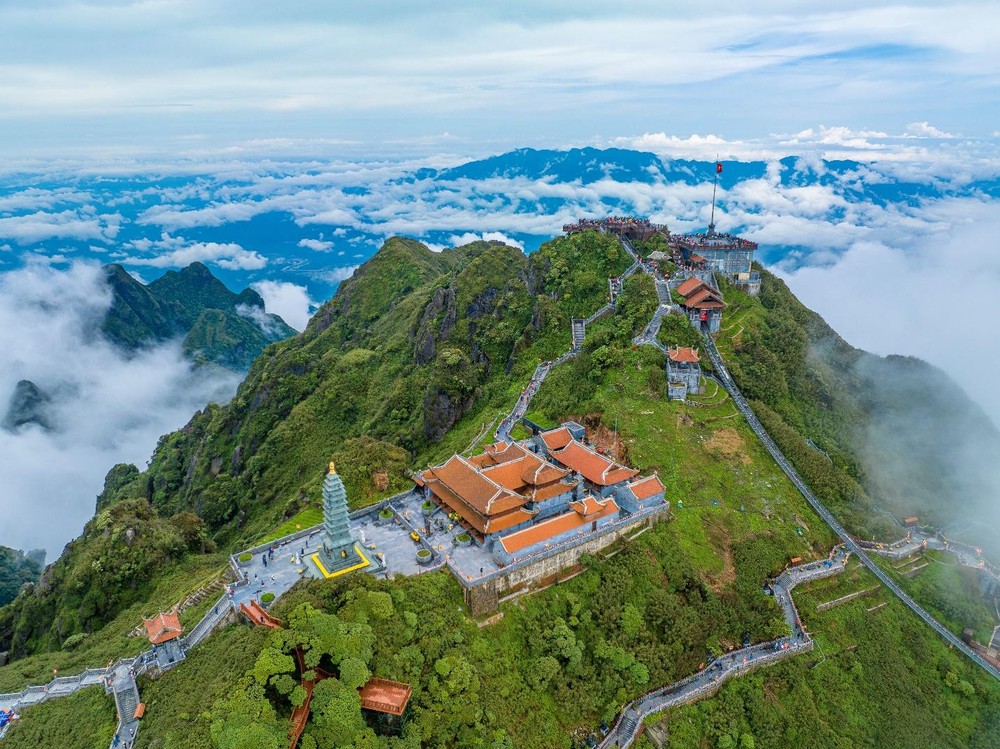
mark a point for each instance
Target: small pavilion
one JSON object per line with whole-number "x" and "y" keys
{"x": 683, "y": 372}
{"x": 164, "y": 632}
{"x": 385, "y": 703}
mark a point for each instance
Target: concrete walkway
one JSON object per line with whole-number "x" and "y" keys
{"x": 705, "y": 682}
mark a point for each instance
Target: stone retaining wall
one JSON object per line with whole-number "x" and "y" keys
{"x": 483, "y": 599}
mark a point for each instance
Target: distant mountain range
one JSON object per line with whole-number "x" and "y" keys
{"x": 590, "y": 165}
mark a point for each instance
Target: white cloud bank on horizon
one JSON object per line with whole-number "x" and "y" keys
{"x": 892, "y": 297}
{"x": 107, "y": 408}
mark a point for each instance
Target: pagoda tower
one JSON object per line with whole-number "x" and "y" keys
{"x": 339, "y": 552}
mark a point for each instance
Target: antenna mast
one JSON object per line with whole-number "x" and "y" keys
{"x": 715, "y": 184}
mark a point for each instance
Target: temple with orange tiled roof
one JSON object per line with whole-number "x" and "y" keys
{"x": 505, "y": 488}
{"x": 164, "y": 631}
{"x": 703, "y": 304}
{"x": 522, "y": 499}
{"x": 683, "y": 372}
{"x": 600, "y": 473}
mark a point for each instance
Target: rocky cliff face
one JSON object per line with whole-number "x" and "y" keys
{"x": 29, "y": 404}
{"x": 216, "y": 325}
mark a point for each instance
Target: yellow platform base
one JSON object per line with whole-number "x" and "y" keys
{"x": 327, "y": 574}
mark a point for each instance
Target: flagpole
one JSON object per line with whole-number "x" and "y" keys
{"x": 715, "y": 184}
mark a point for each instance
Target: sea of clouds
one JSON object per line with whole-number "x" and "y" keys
{"x": 106, "y": 408}
{"x": 915, "y": 276}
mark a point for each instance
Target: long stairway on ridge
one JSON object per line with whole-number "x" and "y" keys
{"x": 662, "y": 291}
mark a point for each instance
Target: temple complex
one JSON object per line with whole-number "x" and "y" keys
{"x": 518, "y": 499}
{"x": 683, "y": 372}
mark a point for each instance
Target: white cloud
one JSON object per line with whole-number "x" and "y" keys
{"x": 926, "y": 130}
{"x": 228, "y": 255}
{"x": 107, "y": 407}
{"x": 336, "y": 275}
{"x": 70, "y": 224}
{"x": 458, "y": 240}
{"x": 891, "y": 295}
{"x": 316, "y": 244}
{"x": 288, "y": 300}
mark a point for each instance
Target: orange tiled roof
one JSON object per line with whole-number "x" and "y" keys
{"x": 552, "y": 527}
{"x": 705, "y": 293}
{"x": 557, "y": 439}
{"x": 509, "y": 520}
{"x": 588, "y": 506}
{"x": 689, "y": 355}
{"x": 163, "y": 628}
{"x": 647, "y": 487}
{"x": 689, "y": 285}
{"x": 593, "y": 466}
{"x": 385, "y": 696}
{"x": 487, "y": 488}
{"x": 473, "y": 486}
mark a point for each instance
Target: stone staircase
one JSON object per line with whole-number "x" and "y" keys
{"x": 663, "y": 292}
{"x": 578, "y": 328}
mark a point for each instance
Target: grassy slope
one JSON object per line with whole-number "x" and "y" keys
{"x": 876, "y": 679}
{"x": 85, "y": 720}
{"x": 112, "y": 641}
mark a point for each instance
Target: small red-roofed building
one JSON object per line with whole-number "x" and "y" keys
{"x": 703, "y": 304}
{"x": 163, "y": 628}
{"x": 683, "y": 372}
{"x": 164, "y": 632}
{"x": 638, "y": 495}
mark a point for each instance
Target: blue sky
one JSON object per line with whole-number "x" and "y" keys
{"x": 198, "y": 77}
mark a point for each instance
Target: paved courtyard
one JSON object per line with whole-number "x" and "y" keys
{"x": 470, "y": 562}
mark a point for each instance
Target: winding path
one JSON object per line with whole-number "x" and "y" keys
{"x": 626, "y": 729}
{"x": 848, "y": 540}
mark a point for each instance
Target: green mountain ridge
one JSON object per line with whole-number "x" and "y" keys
{"x": 16, "y": 569}
{"x": 216, "y": 325}
{"x": 410, "y": 360}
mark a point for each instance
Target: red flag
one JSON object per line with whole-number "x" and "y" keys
{"x": 718, "y": 167}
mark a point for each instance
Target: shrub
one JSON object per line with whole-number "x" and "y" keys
{"x": 386, "y": 514}
{"x": 245, "y": 557}
{"x": 267, "y": 598}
